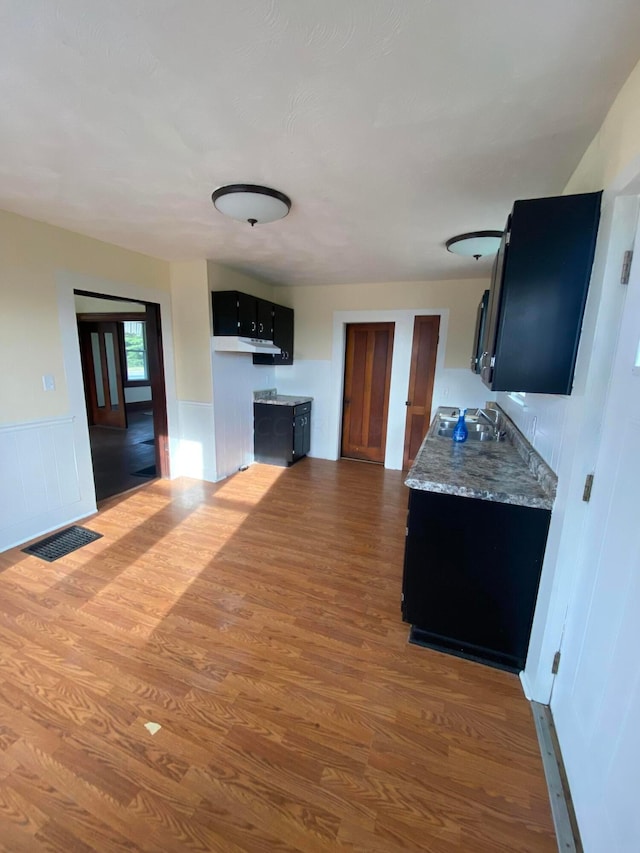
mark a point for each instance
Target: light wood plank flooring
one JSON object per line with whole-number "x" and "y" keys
{"x": 258, "y": 623}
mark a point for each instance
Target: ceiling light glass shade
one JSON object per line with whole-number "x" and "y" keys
{"x": 251, "y": 203}
{"x": 476, "y": 244}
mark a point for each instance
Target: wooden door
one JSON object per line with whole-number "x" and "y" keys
{"x": 101, "y": 346}
{"x": 367, "y": 377}
{"x": 423, "y": 370}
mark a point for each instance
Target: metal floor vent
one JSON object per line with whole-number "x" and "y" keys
{"x": 62, "y": 543}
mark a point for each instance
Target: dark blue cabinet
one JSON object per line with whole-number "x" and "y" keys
{"x": 538, "y": 294}
{"x": 471, "y": 575}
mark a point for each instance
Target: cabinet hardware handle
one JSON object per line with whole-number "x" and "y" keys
{"x": 261, "y": 327}
{"x": 253, "y": 326}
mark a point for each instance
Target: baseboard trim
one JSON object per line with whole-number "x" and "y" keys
{"x": 26, "y": 535}
{"x": 564, "y": 818}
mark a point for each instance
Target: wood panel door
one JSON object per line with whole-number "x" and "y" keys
{"x": 367, "y": 377}
{"x": 100, "y": 348}
{"x": 423, "y": 370}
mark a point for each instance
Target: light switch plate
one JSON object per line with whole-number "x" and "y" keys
{"x": 48, "y": 382}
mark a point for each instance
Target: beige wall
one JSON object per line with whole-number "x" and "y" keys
{"x": 314, "y": 307}
{"x": 223, "y": 278}
{"x": 191, "y": 330}
{"x": 616, "y": 145}
{"x": 30, "y": 339}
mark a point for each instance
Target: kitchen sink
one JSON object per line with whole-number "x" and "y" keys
{"x": 477, "y": 432}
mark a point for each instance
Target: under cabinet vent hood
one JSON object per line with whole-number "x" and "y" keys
{"x": 234, "y": 343}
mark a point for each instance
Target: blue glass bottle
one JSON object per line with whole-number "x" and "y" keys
{"x": 460, "y": 431}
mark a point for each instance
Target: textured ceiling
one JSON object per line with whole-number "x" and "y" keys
{"x": 391, "y": 124}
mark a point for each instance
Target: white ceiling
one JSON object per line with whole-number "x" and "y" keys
{"x": 391, "y": 124}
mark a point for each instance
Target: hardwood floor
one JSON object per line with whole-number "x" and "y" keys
{"x": 118, "y": 455}
{"x": 256, "y": 621}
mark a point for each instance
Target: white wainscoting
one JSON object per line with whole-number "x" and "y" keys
{"x": 195, "y": 454}
{"x": 235, "y": 378}
{"x": 40, "y": 487}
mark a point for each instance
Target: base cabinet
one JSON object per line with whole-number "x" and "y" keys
{"x": 471, "y": 576}
{"x": 282, "y": 434}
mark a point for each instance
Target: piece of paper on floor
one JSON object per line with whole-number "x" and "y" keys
{"x": 152, "y": 728}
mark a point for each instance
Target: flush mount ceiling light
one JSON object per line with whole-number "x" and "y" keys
{"x": 251, "y": 203}
{"x": 475, "y": 244}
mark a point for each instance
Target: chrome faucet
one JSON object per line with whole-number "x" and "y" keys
{"x": 496, "y": 431}
{"x": 483, "y": 414}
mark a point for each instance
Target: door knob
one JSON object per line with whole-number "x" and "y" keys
{"x": 408, "y": 403}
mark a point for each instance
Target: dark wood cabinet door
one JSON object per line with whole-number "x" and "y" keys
{"x": 538, "y": 294}
{"x": 247, "y": 316}
{"x": 478, "y": 340}
{"x": 471, "y": 575}
{"x": 282, "y": 337}
{"x": 283, "y": 333}
{"x": 299, "y": 436}
{"x": 226, "y": 312}
{"x": 264, "y": 320}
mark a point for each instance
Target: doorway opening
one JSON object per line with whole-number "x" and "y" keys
{"x": 123, "y": 375}
{"x": 367, "y": 379}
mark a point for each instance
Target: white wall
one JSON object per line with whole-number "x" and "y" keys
{"x": 137, "y": 394}
{"x": 566, "y": 431}
{"x": 323, "y": 380}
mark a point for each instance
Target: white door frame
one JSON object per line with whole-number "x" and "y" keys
{"x": 400, "y": 368}
{"x": 66, "y": 283}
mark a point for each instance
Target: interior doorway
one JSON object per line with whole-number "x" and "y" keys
{"x": 424, "y": 349}
{"x": 367, "y": 378}
{"x": 123, "y": 375}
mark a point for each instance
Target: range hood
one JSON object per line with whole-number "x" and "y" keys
{"x": 234, "y": 343}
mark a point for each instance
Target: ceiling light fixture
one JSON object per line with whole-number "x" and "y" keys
{"x": 475, "y": 244}
{"x": 251, "y": 203}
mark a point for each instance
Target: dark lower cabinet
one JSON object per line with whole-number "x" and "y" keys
{"x": 471, "y": 575}
{"x": 282, "y": 434}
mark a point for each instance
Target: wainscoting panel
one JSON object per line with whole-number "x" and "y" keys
{"x": 40, "y": 487}
{"x": 195, "y": 455}
{"x": 235, "y": 378}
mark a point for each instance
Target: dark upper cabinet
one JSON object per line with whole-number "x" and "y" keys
{"x": 538, "y": 294}
{"x": 478, "y": 340}
{"x": 282, "y": 337}
{"x": 264, "y": 319}
{"x": 236, "y": 313}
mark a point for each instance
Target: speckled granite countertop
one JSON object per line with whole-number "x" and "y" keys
{"x": 508, "y": 471}
{"x": 279, "y": 399}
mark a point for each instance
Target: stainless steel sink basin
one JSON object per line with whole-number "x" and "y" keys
{"x": 477, "y": 432}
